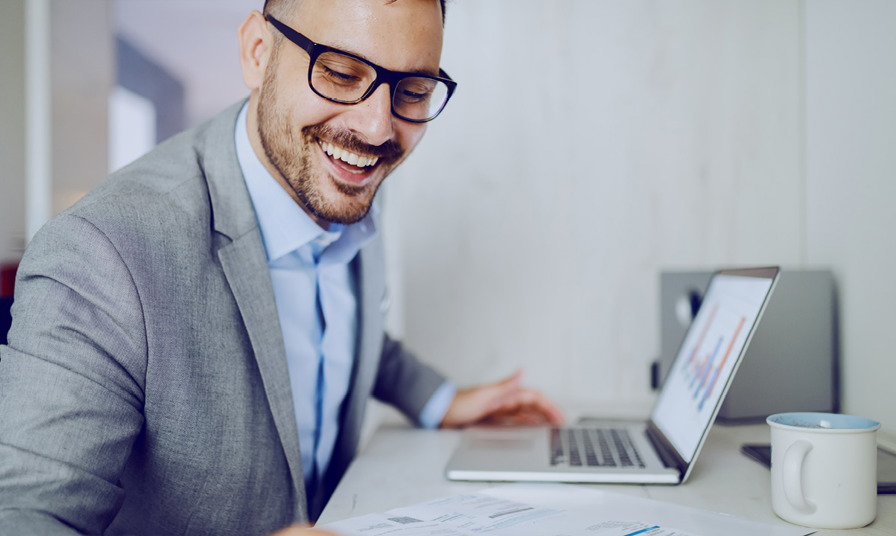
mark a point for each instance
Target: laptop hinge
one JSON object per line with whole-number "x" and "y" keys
{"x": 669, "y": 457}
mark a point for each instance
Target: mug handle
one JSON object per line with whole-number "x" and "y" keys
{"x": 792, "y": 475}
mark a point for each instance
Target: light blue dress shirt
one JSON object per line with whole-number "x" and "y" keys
{"x": 317, "y": 308}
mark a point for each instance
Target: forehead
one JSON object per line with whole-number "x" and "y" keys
{"x": 402, "y": 35}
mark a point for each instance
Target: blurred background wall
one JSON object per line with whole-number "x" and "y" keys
{"x": 591, "y": 144}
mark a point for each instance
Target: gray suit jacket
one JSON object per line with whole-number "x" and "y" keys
{"x": 144, "y": 389}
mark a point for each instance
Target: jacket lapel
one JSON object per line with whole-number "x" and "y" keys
{"x": 243, "y": 259}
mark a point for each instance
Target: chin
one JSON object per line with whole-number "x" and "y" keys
{"x": 340, "y": 207}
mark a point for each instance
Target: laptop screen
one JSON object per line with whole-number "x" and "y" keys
{"x": 709, "y": 355}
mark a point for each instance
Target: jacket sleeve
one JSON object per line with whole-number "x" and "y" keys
{"x": 404, "y": 381}
{"x": 71, "y": 384}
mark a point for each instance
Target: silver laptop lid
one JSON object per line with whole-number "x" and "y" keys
{"x": 707, "y": 359}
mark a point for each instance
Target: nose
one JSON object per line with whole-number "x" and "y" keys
{"x": 372, "y": 118}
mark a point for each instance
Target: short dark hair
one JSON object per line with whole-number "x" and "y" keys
{"x": 274, "y": 3}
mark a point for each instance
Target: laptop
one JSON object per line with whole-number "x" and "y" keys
{"x": 661, "y": 450}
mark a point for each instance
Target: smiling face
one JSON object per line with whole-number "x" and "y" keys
{"x": 331, "y": 158}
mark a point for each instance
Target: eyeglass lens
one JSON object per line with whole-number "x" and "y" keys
{"x": 345, "y": 79}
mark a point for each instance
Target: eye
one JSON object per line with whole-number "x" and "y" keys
{"x": 411, "y": 97}
{"x": 338, "y": 76}
{"x": 334, "y": 70}
{"x": 413, "y": 91}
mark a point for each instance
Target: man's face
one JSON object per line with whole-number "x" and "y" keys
{"x": 333, "y": 157}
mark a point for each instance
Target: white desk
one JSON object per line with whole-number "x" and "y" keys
{"x": 402, "y": 466}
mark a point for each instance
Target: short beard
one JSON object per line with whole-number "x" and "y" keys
{"x": 291, "y": 157}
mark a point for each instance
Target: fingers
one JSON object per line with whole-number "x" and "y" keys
{"x": 531, "y": 403}
{"x": 501, "y": 402}
{"x": 516, "y": 418}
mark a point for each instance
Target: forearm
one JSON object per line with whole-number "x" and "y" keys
{"x": 404, "y": 381}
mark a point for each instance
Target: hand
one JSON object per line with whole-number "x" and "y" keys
{"x": 504, "y": 402}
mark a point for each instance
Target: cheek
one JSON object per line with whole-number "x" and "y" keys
{"x": 300, "y": 107}
{"x": 304, "y": 111}
{"x": 410, "y": 135}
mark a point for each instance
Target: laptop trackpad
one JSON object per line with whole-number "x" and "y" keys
{"x": 504, "y": 440}
{"x": 501, "y": 443}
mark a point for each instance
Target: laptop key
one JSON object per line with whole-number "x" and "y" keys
{"x": 575, "y": 458}
{"x": 590, "y": 451}
{"x": 606, "y": 454}
{"x": 621, "y": 451}
{"x": 596, "y": 447}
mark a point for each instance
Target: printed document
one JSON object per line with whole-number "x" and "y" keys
{"x": 552, "y": 510}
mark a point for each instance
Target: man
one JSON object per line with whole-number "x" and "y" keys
{"x": 194, "y": 342}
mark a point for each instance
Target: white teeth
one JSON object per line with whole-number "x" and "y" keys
{"x": 350, "y": 158}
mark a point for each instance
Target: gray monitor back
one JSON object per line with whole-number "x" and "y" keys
{"x": 792, "y": 363}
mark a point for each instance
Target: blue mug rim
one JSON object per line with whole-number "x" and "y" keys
{"x": 812, "y": 421}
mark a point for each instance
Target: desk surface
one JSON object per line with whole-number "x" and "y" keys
{"x": 402, "y": 466}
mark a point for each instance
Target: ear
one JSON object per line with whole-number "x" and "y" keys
{"x": 255, "y": 41}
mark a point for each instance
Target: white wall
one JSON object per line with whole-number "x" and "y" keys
{"x": 12, "y": 129}
{"x": 535, "y": 216}
{"x": 591, "y": 144}
{"x": 199, "y": 46}
{"x": 75, "y": 81}
{"x": 83, "y": 73}
{"x": 851, "y": 172}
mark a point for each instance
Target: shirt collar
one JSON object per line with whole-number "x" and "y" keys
{"x": 284, "y": 226}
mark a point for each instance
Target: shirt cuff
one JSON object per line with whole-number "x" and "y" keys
{"x": 437, "y": 406}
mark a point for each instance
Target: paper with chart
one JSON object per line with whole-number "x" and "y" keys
{"x": 550, "y": 510}
{"x": 484, "y": 514}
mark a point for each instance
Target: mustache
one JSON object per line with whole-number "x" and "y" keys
{"x": 390, "y": 150}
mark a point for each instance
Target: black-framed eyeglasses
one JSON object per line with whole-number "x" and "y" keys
{"x": 345, "y": 78}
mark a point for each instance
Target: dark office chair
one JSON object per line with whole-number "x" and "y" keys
{"x": 7, "y": 283}
{"x": 5, "y": 318}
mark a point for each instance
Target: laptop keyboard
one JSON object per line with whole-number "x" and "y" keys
{"x": 596, "y": 447}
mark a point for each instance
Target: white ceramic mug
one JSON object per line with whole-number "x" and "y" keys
{"x": 824, "y": 469}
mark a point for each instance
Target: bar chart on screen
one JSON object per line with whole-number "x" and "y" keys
{"x": 710, "y": 355}
{"x": 703, "y": 373}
